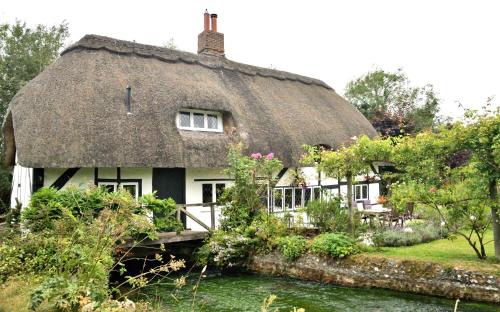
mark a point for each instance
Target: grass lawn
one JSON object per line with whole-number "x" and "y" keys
{"x": 457, "y": 253}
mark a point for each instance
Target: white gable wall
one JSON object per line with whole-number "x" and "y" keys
{"x": 22, "y": 182}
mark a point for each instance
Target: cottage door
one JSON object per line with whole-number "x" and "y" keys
{"x": 171, "y": 182}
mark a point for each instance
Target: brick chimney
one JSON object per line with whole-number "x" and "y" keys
{"x": 210, "y": 41}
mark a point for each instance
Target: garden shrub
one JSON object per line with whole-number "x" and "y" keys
{"x": 328, "y": 215}
{"x": 292, "y": 246}
{"x": 48, "y": 205}
{"x": 164, "y": 213}
{"x": 337, "y": 245}
{"x": 234, "y": 213}
{"x": 226, "y": 249}
{"x": 266, "y": 229}
{"x": 43, "y": 209}
{"x": 410, "y": 235}
{"x": 71, "y": 247}
{"x": 246, "y": 198}
{"x": 72, "y": 259}
{"x": 229, "y": 248}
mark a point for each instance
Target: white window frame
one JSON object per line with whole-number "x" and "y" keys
{"x": 115, "y": 184}
{"x": 205, "y": 121}
{"x": 313, "y": 197}
{"x": 136, "y": 184}
{"x": 361, "y": 191}
{"x": 301, "y": 197}
{"x": 214, "y": 189}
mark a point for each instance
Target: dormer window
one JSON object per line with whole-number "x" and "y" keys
{"x": 199, "y": 120}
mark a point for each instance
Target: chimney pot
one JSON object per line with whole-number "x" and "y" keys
{"x": 206, "y": 19}
{"x": 214, "y": 22}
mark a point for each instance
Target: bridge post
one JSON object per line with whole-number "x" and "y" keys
{"x": 212, "y": 216}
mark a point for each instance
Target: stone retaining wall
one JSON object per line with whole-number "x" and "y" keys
{"x": 370, "y": 271}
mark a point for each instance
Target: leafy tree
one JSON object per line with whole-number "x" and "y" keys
{"x": 349, "y": 162}
{"x": 24, "y": 53}
{"x": 482, "y": 138}
{"x": 454, "y": 171}
{"x": 391, "y": 104}
{"x": 460, "y": 205}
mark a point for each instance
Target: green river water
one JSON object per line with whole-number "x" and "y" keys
{"x": 245, "y": 292}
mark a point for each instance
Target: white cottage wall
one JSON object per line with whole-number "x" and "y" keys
{"x": 86, "y": 176}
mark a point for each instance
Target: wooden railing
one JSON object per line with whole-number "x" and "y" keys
{"x": 182, "y": 208}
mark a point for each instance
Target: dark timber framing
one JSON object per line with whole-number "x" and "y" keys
{"x": 64, "y": 178}
{"x": 281, "y": 173}
{"x": 118, "y": 180}
{"x": 212, "y": 180}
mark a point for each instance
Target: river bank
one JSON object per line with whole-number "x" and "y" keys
{"x": 363, "y": 270}
{"x": 237, "y": 292}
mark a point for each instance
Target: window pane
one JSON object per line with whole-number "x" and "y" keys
{"x": 278, "y": 199}
{"x": 307, "y": 195}
{"x": 132, "y": 189}
{"x": 199, "y": 120}
{"x": 288, "y": 198}
{"x": 298, "y": 197}
{"x": 219, "y": 189}
{"x": 317, "y": 193}
{"x": 108, "y": 187}
{"x": 185, "y": 119}
{"x": 356, "y": 192}
{"x": 207, "y": 193}
{"x": 212, "y": 122}
{"x": 365, "y": 191}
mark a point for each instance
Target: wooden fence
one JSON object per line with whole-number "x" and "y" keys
{"x": 181, "y": 208}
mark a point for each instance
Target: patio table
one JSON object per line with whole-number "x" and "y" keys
{"x": 375, "y": 212}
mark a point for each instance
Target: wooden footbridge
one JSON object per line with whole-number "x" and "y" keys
{"x": 176, "y": 241}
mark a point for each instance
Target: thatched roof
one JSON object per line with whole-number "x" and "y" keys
{"x": 73, "y": 114}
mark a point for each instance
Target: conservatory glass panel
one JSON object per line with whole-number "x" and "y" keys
{"x": 307, "y": 195}
{"x": 278, "y": 199}
{"x": 298, "y": 197}
{"x": 288, "y": 198}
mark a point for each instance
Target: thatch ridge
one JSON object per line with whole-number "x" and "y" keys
{"x": 73, "y": 114}
{"x": 96, "y": 42}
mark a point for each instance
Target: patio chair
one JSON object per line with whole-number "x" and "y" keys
{"x": 394, "y": 218}
{"x": 408, "y": 215}
{"x": 367, "y": 205}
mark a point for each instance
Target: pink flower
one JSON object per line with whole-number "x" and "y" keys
{"x": 256, "y": 155}
{"x": 433, "y": 190}
{"x": 270, "y": 156}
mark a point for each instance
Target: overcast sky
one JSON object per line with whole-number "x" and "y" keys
{"x": 454, "y": 45}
